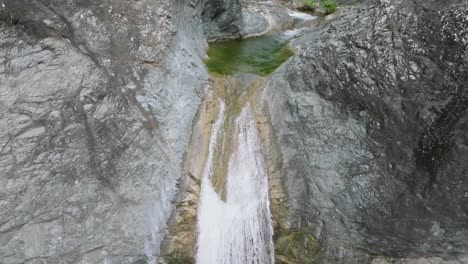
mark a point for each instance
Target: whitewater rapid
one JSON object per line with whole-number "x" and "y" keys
{"x": 238, "y": 230}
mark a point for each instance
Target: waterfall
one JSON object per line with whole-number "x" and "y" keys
{"x": 238, "y": 230}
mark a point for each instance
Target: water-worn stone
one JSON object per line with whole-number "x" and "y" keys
{"x": 253, "y": 24}
{"x": 260, "y": 18}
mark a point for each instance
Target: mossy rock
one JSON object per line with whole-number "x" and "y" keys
{"x": 179, "y": 257}
{"x": 297, "y": 246}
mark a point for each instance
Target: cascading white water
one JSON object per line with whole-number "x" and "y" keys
{"x": 238, "y": 230}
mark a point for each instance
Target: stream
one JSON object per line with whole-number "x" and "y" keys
{"x": 234, "y": 223}
{"x": 237, "y": 230}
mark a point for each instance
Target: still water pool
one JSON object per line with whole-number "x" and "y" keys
{"x": 259, "y": 56}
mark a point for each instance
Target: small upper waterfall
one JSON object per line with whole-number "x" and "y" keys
{"x": 237, "y": 230}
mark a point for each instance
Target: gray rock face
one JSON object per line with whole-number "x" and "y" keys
{"x": 222, "y": 19}
{"x": 261, "y": 18}
{"x": 253, "y": 23}
{"x": 371, "y": 119}
{"x": 96, "y": 104}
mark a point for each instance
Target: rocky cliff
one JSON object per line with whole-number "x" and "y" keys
{"x": 368, "y": 123}
{"x": 96, "y": 103}
{"x": 371, "y": 119}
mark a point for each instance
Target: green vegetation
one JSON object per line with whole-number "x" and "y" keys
{"x": 259, "y": 56}
{"x": 310, "y": 3}
{"x": 329, "y": 5}
{"x": 311, "y": 6}
{"x": 308, "y": 6}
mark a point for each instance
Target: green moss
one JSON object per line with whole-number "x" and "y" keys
{"x": 297, "y": 246}
{"x": 311, "y": 5}
{"x": 259, "y": 56}
{"x": 308, "y": 6}
{"x": 329, "y": 5}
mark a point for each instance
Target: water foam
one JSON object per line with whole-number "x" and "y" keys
{"x": 238, "y": 230}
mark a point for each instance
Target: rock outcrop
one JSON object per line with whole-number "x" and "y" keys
{"x": 96, "y": 103}
{"x": 222, "y": 19}
{"x": 370, "y": 116}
